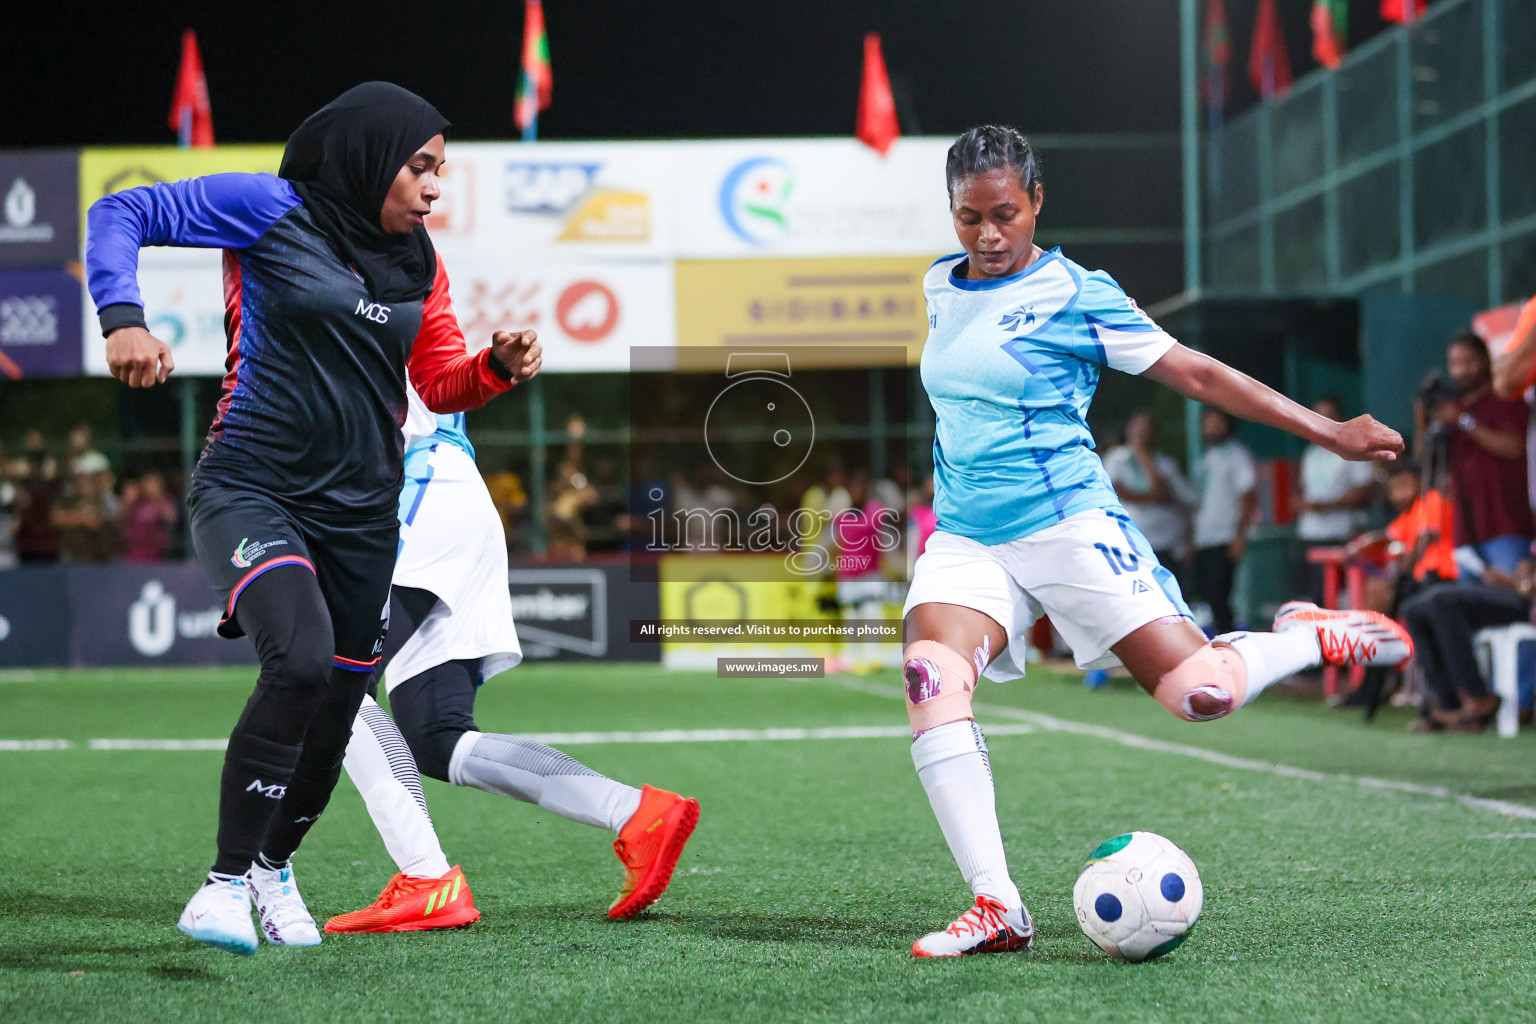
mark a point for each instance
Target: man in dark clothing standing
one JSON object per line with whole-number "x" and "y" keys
{"x": 1487, "y": 459}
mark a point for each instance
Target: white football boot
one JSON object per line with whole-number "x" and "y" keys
{"x": 1351, "y": 637}
{"x": 285, "y": 920}
{"x": 988, "y": 927}
{"x": 219, "y": 914}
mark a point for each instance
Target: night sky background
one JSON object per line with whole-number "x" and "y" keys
{"x": 96, "y": 73}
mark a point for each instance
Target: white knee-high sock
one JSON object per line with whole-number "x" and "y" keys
{"x": 380, "y": 765}
{"x": 536, "y": 774}
{"x": 951, "y": 761}
{"x": 1271, "y": 657}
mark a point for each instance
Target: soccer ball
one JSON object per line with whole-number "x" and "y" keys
{"x": 1138, "y": 896}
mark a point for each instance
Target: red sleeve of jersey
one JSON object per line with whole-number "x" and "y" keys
{"x": 444, "y": 374}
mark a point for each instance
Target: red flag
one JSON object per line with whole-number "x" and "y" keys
{"x": 191, "y": 115}
{"x": 1218, "y": 48}
{"x": 1218, "y": 52}
{"x": 877, "y": 107}
{"x": 535, "y": 82}
{"x": 1401, "y": 12}
{"x": 1328, "y": 35}
{"x": 1269, "y": 68}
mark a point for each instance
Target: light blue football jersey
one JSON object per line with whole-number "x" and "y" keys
{"x": 1010, "y": 367}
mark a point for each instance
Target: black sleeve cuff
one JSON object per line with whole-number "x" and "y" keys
{"x": 121, "y": 314}
{"x": 497, "y": 366}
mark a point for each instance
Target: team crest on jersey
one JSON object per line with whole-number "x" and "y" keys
{"x": 1021, "y": 317}
{"x": 248, "y": 553}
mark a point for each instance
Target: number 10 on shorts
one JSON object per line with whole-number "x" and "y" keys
{"x": 1119, "y": 561}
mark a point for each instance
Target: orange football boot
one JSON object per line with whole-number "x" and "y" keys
{"x": 413, "y": 905}
{"x": 649, "y": 846}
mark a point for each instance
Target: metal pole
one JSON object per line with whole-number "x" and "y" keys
{"x": 877, "y": 431}
{"x": 1189, "y": 32}
{"x": 1404, "y": 85}
{"x": 1491, "y": 152}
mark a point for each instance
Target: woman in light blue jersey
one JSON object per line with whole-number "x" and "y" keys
{"x": 1028, "y": 522}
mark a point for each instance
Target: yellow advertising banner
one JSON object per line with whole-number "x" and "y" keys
{"x": 108, "y": 169}
{"x": 870, "y": 303}
{"x": 742, "y": 588}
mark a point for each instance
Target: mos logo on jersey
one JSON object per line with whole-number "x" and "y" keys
{"x": 372, "y": 311}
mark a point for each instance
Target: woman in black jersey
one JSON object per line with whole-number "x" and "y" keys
{"x": 332, "y": 290}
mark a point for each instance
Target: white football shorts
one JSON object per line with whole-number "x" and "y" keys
{"x": 451, "y": 543}
{"x": 1093, "y": 573}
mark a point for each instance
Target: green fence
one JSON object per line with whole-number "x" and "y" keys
{"x": 1411, "y": 168}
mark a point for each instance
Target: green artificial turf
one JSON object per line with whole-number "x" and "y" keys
{"x": 815, "y": 865}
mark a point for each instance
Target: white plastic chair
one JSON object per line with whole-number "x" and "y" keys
{"x": 1498, "y": 656}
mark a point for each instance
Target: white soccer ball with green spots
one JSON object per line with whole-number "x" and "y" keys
{"x": 1138, "y": 896}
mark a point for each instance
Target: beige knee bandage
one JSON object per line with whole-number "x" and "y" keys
{"x": 1215, "y": 671}
{"x": 939, "y": 684}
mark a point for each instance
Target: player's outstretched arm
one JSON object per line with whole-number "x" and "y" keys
{"x": 1197, "y": 376}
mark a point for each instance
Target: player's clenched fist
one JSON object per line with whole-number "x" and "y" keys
{"x": 520, "y": 352}
{"x": 1366, "y": 438}
{"x": 138, "y": 358}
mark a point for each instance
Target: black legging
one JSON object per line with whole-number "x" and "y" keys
{"x": 435, "y": 708}
{"x": 1441, "y": 621}
{"x": 1213, "y": 582}
{"x": 293, "y": 733}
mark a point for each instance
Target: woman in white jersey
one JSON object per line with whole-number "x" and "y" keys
{"x": 1029, "y": 522}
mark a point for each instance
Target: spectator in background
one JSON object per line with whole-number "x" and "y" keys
{"x": 1153, "y": 491}
{"x": 825, "y": 499}
{"x": 1442, "y": 621}
{"x": 1424, "y": 527}
{"x": 85, "y": 517}
{"x": 570, "y": 495}
{"x": 607, "y": 519}
{"x": 862, "y": 587}
{"x": 1228, "y": 507}
{"x": 146, "y": 519}
{"x": 84, "y": 459}
{"x": 1412, "y": 554}
{"x": 10, "y": 505}
{"x": 1332, "y": 498}
{"x": 891, "y": 490}
{"x": 37, "y": 540}
{"x": 1486, "y": 436}
{"x": 511, "y": 501}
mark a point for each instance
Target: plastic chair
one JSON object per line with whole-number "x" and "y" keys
{"x": 1498, "y": 656}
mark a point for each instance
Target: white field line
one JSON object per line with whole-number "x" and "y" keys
{"x": 157, "y": 744}
{"x": 1049, "y": 723}
{"x": 852, "y": 732}
{"x": 1024, "y": 722}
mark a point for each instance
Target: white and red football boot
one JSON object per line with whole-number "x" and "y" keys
{"x": 988, "y": 927}
{"x": 1349, "y": 637}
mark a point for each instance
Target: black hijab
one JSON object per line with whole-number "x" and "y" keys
{"x": 342, "y": 161}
